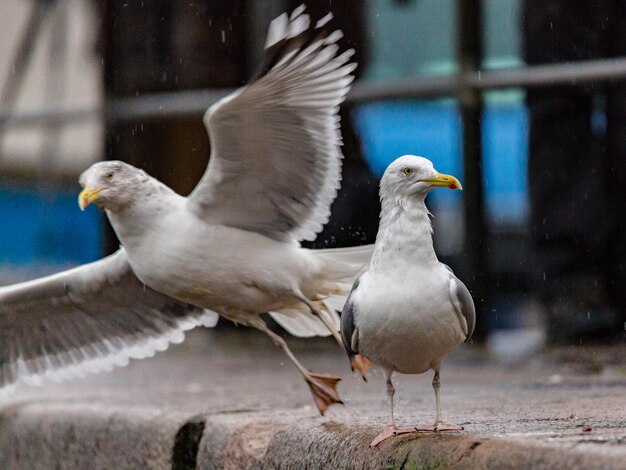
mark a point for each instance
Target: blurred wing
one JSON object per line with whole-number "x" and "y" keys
{"x": 276, "y": 162}
{"x": 87, "y": 319}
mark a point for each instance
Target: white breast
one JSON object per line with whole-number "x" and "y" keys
{"x": 407, "y": 322}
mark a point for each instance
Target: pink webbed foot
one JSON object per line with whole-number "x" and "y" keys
{"x": 390, "y": 431}
{"x": 362, "y": 364}
{"x": 324, "y": 390}
{"x": 439, "y": 426}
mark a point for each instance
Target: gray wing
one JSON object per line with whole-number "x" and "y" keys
{"x": 87, "y": 319}
{"x": 348, "y": 328}
{"x": 463, "y": 303}
{"x": 275, "y": 163}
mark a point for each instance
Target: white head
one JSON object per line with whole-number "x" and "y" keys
{"x": 411, "y": 177}
{"x": 113, "y": 185}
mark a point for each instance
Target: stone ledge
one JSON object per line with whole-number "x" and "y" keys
{"x": 300, "y": 442}
{"x": 37, "y": 436}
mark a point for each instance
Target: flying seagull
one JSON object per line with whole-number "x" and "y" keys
{"x": 231, "y": 247}
{"x": 407, "y": 311}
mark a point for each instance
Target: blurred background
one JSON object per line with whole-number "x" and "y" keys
{"x": 86, "y": 80}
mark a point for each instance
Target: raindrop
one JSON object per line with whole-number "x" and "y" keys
{"x": 223, "y": 36}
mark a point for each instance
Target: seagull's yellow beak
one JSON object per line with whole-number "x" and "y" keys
{"x": 87, "y": 196}
{"x": 445, "y": 181}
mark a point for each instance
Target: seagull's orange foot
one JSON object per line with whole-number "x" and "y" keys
{"x": 324, "y": 390}
{"x": 390, "y": 431}
{"x": 362, "y": 364}
{"x": 439, "y": 426}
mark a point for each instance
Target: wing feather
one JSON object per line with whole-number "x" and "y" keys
{"x": 348, "y": 327}
{"x": 276, "y": 162}
{"x": 463, "y": 304}
{"x": 87, "y": 319}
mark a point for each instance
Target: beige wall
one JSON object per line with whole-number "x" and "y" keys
{"x": 79, "y": 84}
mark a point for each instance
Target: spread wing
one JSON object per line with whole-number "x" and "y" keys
{"x": 275, "y": 164}
{"x": 87, "y": 319}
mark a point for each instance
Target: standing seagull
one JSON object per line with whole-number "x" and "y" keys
{"x": 408, "y": 310}
{"x": 231, "y": 247}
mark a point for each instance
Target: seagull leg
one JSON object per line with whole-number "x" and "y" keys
{"x": 323, "y": 386}
{"x": 440, "y": 424}
{"x": 360, "y": 363}
{"x": 324, "y": 317}
{"x": 391, "y": 429}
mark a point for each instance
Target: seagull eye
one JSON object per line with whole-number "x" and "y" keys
{"x": 407, "y": 171}
{"x": 110, "y": 176}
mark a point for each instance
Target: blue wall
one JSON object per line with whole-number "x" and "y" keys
{"x": 47, "y": 228}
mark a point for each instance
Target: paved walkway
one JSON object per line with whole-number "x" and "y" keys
{"x": 229, "y": 399}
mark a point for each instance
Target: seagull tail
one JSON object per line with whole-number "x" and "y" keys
{"x": 347, "y": 260}
{"x": 301, "y": 323}
{"x": 341, "y": 267}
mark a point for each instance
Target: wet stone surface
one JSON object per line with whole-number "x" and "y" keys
{"x": 252, "y": 409}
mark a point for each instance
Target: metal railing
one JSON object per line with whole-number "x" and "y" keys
{"x": 180, "y": 103}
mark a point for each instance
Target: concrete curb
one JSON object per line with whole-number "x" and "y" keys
{"x": 258, "y": 440}
{"x": 42, "y": 436}
{"x": 37, "y": 436}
